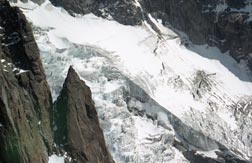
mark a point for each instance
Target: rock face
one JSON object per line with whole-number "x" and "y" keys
{"x": 35, "y": 1}
{"x": 78, "y": 131}
{"x": 77, "y": 6}
{"x": 25, "y": 99}
{"x": 125, "y": 11}
{"x": 218, "y": 23}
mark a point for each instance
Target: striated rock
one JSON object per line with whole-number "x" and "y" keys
{"x": 229, "y": 29}
{"x": 76, "y": 122}
{"x": 183, "y": 15}
{"x": 25, "y": 99}
{"x": 35, "y": 1}
{"x": 77, "y": 6}
{"x": 236, "y": 3}
{"x": 124, "y": 11}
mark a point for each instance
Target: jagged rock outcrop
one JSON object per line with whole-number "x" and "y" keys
{"x": 76, "y": 122}
{"x": 77, "y": 6}
{"x": 25, "y": 99}
{"x": 125, "y": 11}
{"x": 35, "y": 1}
{"x": 218, "y": 23}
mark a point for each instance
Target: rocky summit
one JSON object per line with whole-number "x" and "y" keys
{"x": 76, "y": 119}
{"x": 125, "y": 81}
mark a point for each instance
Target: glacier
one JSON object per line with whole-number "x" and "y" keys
{"x": 149, "y": 91}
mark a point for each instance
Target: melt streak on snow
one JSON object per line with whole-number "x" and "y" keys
{"x": 198, "y": 84}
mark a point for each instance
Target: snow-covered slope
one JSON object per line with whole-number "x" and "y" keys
{"x": 149, "y": 91}
{"x": 56, "y": 159}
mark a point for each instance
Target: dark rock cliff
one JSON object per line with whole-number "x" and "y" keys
{"x": 78, "y": 6}
{"x": 123, "y": 11}
{"x": 35, "y": 1}
{"x": 25, "y": 99}
{"x": 78, "y": 131}
{"x": 229, "y": 29}
{"x": 26, "y": 104}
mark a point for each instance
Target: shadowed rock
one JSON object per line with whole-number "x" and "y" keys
{"x": 229, "y": 29}
{"x": 78, "y": 131}
{"x": 125, "y": 12}
{"x": 35, "y": 1}
{"x": 77, "y": 6}
{"x": 25, "y": 99}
